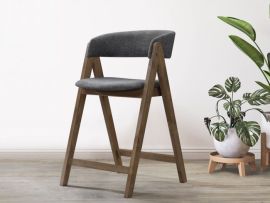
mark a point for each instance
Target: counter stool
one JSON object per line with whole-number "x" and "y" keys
{"x": 154, "y": 44}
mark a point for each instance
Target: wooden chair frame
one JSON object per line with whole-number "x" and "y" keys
{"x": 156, "y": 67}
{"x": 265, "y": 153}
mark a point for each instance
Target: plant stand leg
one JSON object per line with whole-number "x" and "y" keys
{"x": 241, "y": 168}
{"x": 212, "y": 166}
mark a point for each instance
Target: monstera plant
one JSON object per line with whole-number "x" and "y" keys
{"x": 218, "y": 125}
{"x": 253, "y": 52}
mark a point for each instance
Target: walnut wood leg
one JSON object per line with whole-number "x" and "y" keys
{"x": 74, "y": 130}
{"x": 241, "y": 169}
{"x": 142, "y": 119}
{"x": 137, "y": 148}
{"x": 105, "y": 104}
{"x": 212, "y": 166}
{"x": 171, "y": 120}
{"x": 104, "y": 100}
{"x": 175, "y": 139}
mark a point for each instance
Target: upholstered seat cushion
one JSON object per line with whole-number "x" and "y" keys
{"x": 112, "y": 84}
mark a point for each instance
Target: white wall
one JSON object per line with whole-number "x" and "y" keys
{"x": 42, "y": 45}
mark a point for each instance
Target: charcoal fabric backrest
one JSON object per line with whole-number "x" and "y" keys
{"x": 131, "y": 43}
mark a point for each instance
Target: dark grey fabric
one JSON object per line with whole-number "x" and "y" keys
{"x": 131, "y": 43}
{"x": 111, "y": 84}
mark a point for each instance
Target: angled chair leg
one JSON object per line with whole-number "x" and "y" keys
{"x": 137, "y": 146}
{"x": 143, "y": 115}
{"x": 169, "y": 110}
{"x": 104, "y": 100}
{"x": 77, "y": 115}
{"x": 175, "y": 138}
{"x": 105, "y": 104}
{"x": 76, "y": 121}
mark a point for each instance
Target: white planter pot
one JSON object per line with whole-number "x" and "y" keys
{"x": 265, "y": 127}
{"x": 232, "y": 146}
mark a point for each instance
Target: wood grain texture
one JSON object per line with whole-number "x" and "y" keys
{"x": 241, "y": 169}
{"x": 105, "y": 104}
{"x": 248, "y": 159}
{"x": 150, "y": 156}
{"x": 142, "y": 119}
{"x": 170, "y": 115}
{"x": 76, "y": 121}
{"x": 100, "y": 166}
{"x": 212, "y": 166}
{"x": 131, "y": 94}
{"x": 265, "y": 153}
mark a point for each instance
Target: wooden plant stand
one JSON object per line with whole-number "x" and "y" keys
{"x": 265, "y": 153}
{"x": 216, "y": 159}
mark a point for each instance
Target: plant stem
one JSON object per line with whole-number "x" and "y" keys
{"x": 266, "y": 61}
{"x": 231, "y": 105}
{"x": 217, "y": 110}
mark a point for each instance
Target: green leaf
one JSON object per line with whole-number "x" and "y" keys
{"x": 241, "y": 25}
{"x": 264, "y": 86}
{"x": 268, "y": 58}
{"x": 234, "y": 108}
{"x": 246, "y": 96}
{"x": 249, "y": 50}
{"x": 219, "y": 130}
{"x": 258, "y": 97}
{"x": 218, "y": 91}
{"x": 232, "y": 84}
{"x": 267, "y": 73}
{"x": 248, "y": 131}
